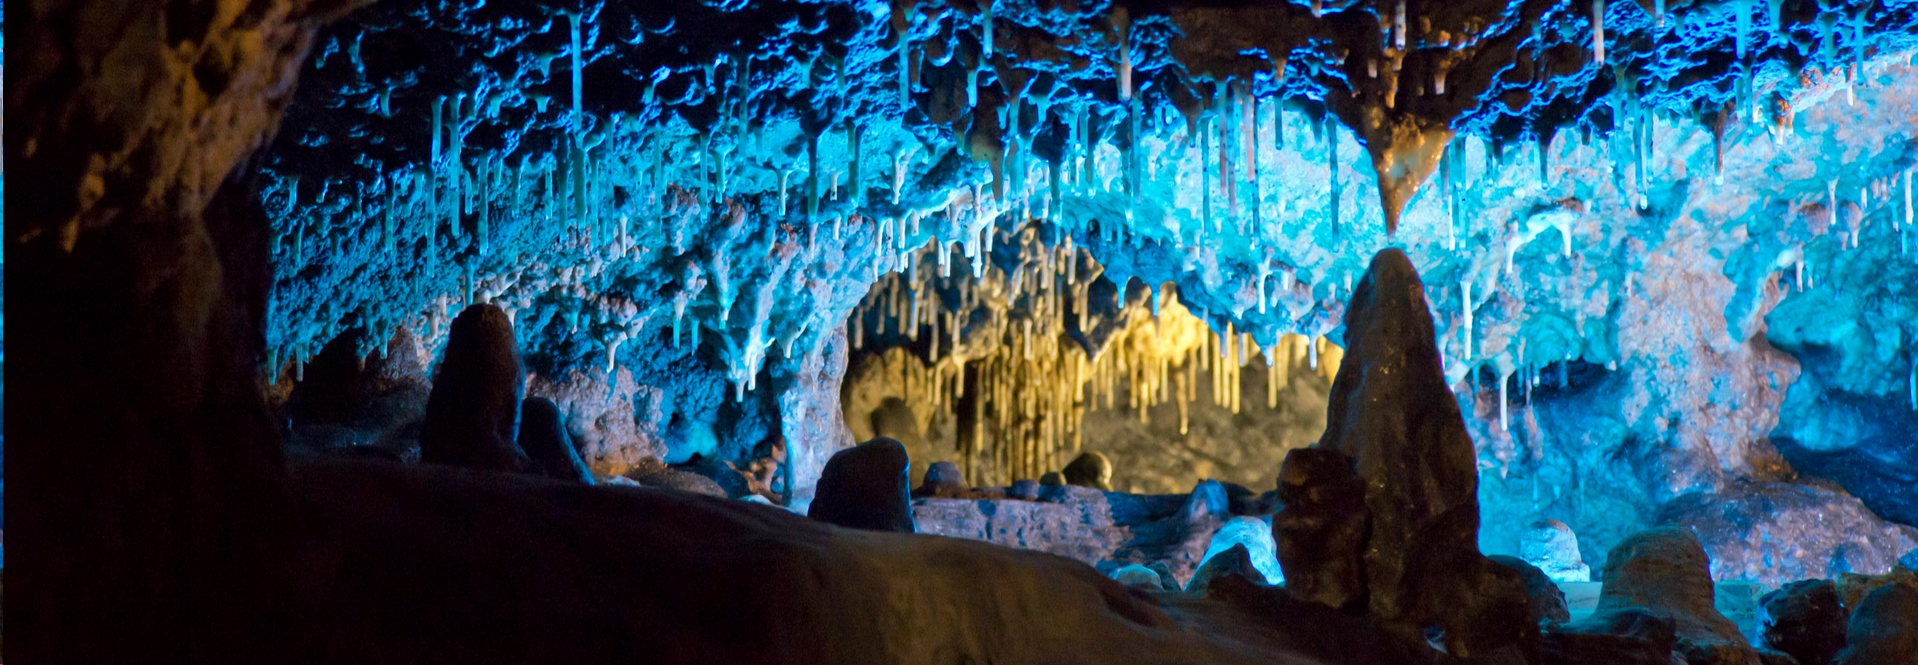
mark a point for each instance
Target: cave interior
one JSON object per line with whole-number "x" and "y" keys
{"x": 965, "y": 331}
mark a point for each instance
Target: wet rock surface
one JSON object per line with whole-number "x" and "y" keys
{"x": 472, "y": 415}
{"x": 864, "y": 487}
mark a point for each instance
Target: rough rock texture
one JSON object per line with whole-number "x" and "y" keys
{"x": 1773, "y": 533}
{"x": 1665, "y": 571}
{"x": 1321, "y": 531}
{"x": 615, "y": 421}
{"x": 1393, "y": 415}
{"x": 864, "y": 487}
{"x": 1805, "y": 619}
{"x": 472, "y": 415}
{"x": 1106, "y": 529}
{"x": 1884, "y": 628}
{"x": 656, "y": 474}
{"x": 543, "y": 437}
{"x": 1547, "y": 605}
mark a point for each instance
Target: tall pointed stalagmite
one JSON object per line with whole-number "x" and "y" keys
{"x": 1392, "y": 414}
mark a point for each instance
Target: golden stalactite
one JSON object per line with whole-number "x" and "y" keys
{"x": 1006, "y": 339}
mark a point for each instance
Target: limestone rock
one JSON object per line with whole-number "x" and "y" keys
{"x": 656, "y": 474}
{"x": 1553, "y": 548}
{"x": 1884, "y": 628}
{"x": 1027, "y": 489}
{"x": 864, "y": 487}
{"x": 1235, "y": 560}
{"x": 1138, "y": 577}
{"x": 1808, "y": 532}
{"x": 1805, "y": 619}
{"x": 1547, "y": 600}
{"x": 1321, "y": 531}
{"x": 472, "y": 415}
{"x": 1052, "y": 479}
{"x": 1854, "y": 587}
{"x": 1090, "y": 469}
{"x": 944, "y": 480}
{"x": 1666, "y": 571}
{"x": 542, "y": 435}
{"x": 1394, "y": 416}
{"x": 1255, "y": 536}
{"x": 1624, "y": 636}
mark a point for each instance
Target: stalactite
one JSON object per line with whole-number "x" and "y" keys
{"x": 1598, "y": 32}
{"x": 1332, "y": 170}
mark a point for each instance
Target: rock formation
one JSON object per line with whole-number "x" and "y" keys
{"x": 1394, "y": 418}
{"x": 1551, "y": 546}
{"x": 864, "y": 487}
{"x": 1255, "y": 536}
{"x": 1666, "y": 572}
{"x": 1805, "y": 620}
{"x": 472, "y": 415}
{"x": 1881, "y": 630}
{"x": 943, "y": 480}
{"x": 1547, "y": 604}
{"x": 544, "y": 439}
{"x": 1089, "y": 469}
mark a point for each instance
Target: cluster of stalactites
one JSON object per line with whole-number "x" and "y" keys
{"x": 1032, "y": 383}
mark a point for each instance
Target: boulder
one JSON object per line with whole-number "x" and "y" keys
{"x": 543, "y": 437}
{"x": 472, "y": 413}
{"x": 1553, "y": 548}
{"x": 865, "y": 487}
{"x": 1138, "y": 577}
{"x": 1166, "y": 580}
{"x": 1027, "y": 489}
{"x": 1235, "y": 560}
{"x": 1255, "y": 536}
{"x": 943, "y": 480}
{"x": 1884, "y": 628}
{"x": 1089, "y": 469}
{"x": 1393, "y": 415}
{"x": 656, "y": 474}
{"x": 1805, "y": 619}
{"x": 1665, "y": 570}
{"x": 1052, "y": 479}
{"x": 1853, "y": 587}
{"x": 1547, "y": 600}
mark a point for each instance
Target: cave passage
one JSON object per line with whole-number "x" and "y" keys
{"x": 833, "y": 331}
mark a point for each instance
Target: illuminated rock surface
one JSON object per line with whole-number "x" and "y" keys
{"x": 1667, "y": 252}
